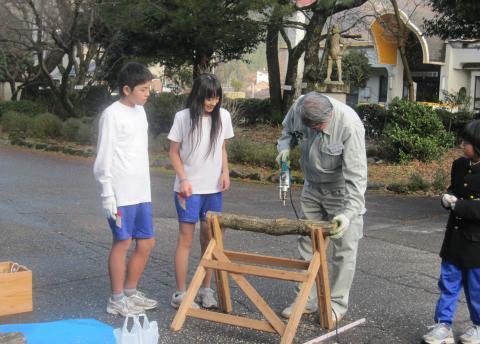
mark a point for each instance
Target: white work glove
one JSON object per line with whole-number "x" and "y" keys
{"x": 109, "y": 205}
{"x": 448, "y": 201}
{"x": 283, "y": 156}
{"x": 342, "y": 224}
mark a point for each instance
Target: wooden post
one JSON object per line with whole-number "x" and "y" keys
{"x": 322, "y": 284}
{"x": 223, "y": 287}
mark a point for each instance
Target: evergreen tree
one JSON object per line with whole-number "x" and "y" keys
{"x": 454, "y": 19}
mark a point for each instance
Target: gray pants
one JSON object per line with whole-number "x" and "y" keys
{"x": 344, "y": 250}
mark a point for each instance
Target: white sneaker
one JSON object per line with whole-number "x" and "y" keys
{"x": 177, "y": 299}
{"x": 471, "y": 335}
{"x": 141, "y": 301}
{"x": 206, "y": 299}
{"x": 123, "y": 307}
{"x": 440, "y": 333}
{"x": 310, "y": 307}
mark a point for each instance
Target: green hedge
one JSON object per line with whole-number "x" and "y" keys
{"x": 25, "y": 107}
{"x": 254, "y": 111}
{"x": 46, "y": 125}
{"x": 15, "y": 122}
{"x": 374, "y": 119}
{"x": 81, "y": 130}
{"x": 454, "y": 121}
{"x": 414, "y": 132}
{"x": 245, "y": 151}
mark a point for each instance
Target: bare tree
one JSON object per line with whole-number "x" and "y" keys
{"x": 66, "y": 40}
{"x": 395, "y": 27}
{"x": 316, "y": 14}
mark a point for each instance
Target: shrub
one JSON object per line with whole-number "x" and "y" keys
{"x": 25, "y": 107}
{"x": 454, "y": 121}
{"x": 70, "y": 129}
{"x": 161, "y": 109}
{"x": 417, "y": 183}
{"x": 96, "y": 99}
{"x": 440, "y": 180}
{"x": 374, "y": 119}
{"x": 356, "y": 67}
{"x": 245, "y": 151}
{"x": 87, "y": 133}
{"x": 16, "y": 137}
{"x": 46, "y": 125}
{"x": 233, "y": 106}
{"x": 78, "y": 130}
{"x": 14, "y": 121}
{"x": 160, "y": 143}
{"x": 254, "y": 111}
{"x": 414, "y": 132}
{"x": 400, "y": 188}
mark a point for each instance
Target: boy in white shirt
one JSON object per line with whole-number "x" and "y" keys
{"x": 122, "y": 168}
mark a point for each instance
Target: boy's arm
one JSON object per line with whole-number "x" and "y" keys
{"x": 177, "y": 163}
{"x": 102, "y": 168}
{"x": 225, "y": 176}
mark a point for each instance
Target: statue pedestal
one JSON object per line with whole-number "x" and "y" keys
{"x": 335, "y": 89}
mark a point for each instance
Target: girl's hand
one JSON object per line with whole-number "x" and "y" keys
{"x": 225, "y": 181}
{"x": 185, "y": 188}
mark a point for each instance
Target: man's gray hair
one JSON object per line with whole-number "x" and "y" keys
{"x": 315, "y": 109}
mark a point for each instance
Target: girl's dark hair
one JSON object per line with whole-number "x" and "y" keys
{"x": 205, "y": 86}
{"x": 471, "y": 134}
{"x": 133, "y": 74}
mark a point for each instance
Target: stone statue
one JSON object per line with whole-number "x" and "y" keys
{"x": 336, "y": 47}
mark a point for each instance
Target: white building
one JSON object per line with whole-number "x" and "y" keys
{"x": 436, "y": 65}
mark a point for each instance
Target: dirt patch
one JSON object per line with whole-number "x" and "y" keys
{"x": 383, "y": 173}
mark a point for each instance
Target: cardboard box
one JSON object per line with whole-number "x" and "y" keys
{"x": 15, "y": 288}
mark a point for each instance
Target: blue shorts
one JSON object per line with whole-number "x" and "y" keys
{"x": 195, "y": 207}
{"x": 134, "y": 221}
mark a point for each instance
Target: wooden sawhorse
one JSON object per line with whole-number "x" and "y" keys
{"x": 226, "y": 263}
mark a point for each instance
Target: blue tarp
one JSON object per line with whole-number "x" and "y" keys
{"x": 74, "y": 331}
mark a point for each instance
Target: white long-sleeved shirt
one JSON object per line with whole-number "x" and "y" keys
{"x": 122, "y": 164}
{"x": 334, "y": 157}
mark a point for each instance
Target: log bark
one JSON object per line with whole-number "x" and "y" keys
{"x": 275, "y": 227}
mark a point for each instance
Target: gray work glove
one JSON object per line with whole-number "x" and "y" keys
{"x": 109, "y": 206}
{"x": 283, "y": 156}
{"x": 448, "y": 201}
{"x": 342, "y": 224}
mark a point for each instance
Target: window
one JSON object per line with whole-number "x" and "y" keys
{"x": 383, "y": 89}
{"x": 476, "y": 97}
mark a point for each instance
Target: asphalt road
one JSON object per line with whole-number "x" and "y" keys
{"x": 50, "y": 221}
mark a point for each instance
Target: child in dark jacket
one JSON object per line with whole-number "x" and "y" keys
{"x": 460, "y": 250}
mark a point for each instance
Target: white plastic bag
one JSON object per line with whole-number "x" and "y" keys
{"x": 140, "y": 333}
{"x": 149, "y": 330}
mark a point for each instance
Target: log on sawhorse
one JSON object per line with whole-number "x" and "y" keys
{"x": 230, "y": 263}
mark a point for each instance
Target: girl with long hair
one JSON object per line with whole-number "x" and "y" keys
{"x": 199, "y": 157}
